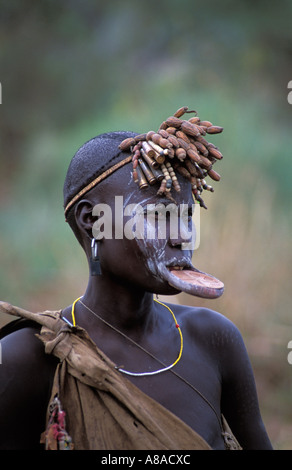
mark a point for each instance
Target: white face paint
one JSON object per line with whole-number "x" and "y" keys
{"x": 161, "y": 228}
{"x": 157, "y": 239}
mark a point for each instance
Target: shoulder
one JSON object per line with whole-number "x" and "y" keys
{"x": 211, "y": 329}
{"x": 26, "y": 378}
{"x": 207, "y": 321}
{"x": 23, "y": 359}
{"x": 21, "y": 347}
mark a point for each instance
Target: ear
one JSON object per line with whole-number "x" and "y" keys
{"x": 84, "y": 218}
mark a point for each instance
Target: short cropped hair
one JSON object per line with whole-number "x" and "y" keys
{"x": 90, "y": 161}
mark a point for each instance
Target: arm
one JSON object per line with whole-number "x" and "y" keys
{"x": 239, "y": 396}
{"x": 25, "y": 382}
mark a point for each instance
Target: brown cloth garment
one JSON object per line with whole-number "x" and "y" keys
{"x": 103, "y": 409}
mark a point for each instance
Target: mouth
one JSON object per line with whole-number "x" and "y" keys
{"x": 183, "y": 276}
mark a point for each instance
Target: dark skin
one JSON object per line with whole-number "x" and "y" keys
{"x": 214, "y": 357}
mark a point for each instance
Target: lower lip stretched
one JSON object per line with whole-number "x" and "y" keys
{"x": 192, "y": 281}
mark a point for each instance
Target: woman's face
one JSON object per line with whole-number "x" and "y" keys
{"x": 145, "y": 239}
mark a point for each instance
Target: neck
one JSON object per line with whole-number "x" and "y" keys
{"x": 124, "y": 306}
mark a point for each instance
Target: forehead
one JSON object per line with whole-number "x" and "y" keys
{"x": 122, "y": 184}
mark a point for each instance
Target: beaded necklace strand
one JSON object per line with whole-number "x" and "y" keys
{"x": 136, "y": 374}
{"x": 227, "y": 437}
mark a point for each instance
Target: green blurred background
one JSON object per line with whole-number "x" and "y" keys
{"x": 70, "y": 70}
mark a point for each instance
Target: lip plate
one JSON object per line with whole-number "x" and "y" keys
{"x": 198, "y": 283}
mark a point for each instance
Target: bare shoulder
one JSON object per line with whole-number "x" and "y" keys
{"x": 23, "y": 356}
{"x": 213, "y": 332}
{"x": 212, "y": 324}
{"x": 26, "y": 376}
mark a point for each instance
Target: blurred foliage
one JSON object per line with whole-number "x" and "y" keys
{"x": 73, "y": 69}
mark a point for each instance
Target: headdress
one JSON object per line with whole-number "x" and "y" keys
{"x": 178, "y": 147}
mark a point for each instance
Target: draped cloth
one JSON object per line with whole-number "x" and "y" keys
{"x": 99, "y": 408}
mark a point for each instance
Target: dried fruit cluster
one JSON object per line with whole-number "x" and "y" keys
{"x": 179, "y": 146}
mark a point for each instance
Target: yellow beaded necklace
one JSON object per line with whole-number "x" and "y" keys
{"x": 136, "y": 374}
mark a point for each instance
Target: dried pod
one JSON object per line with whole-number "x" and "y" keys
{"x": 189, "y": 128}
{"x": 183, "y": 144}
{"x": 193, "y": 155}
{"x": 173, "y": 121}
{"x": 191, "y": 167}
{"x": 214, "y": 129}
{"x": 195, "y": 120}
{"x": 140, "y": 137}
{"x": 149, "y": 135}
{"x": 205, "y": 162}
{"x": 203, "y": 141}
{"x": 201, "y": 148}
{"x": 183, "y": 171}
{"x": 206, "y": 123}
{"x": 163, "y": 125}
{"x": 171, "y": 130}
{"x": 182, "y": 139}
{"x": 159, "y": 140}
{"x": 163, "y": 133}
{"x": 215, "y": 153}
{"x": 173, "y": 140}
{"x": 182, "y": 135}
{"x": 181, "y": 111}
{"x": 170, "y": 152}
{"x": 180, "y": 153}
{"x": 214, "y": 175}
{"x": 127, "y": 143}
{"x": 202, "y": 129}
{"x": 210, "y": 145}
